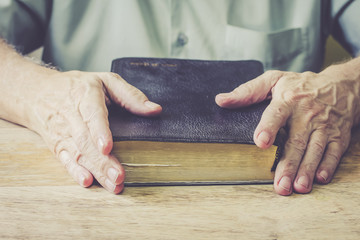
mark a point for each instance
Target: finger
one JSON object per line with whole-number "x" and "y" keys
{"x": 129, "y": 97}
{"x": 64, "y": 148}
{"x": 67, "y": 154}
{"x": 289, "y": 163}
{"x": 105, "y": 168}
{"x": 331, "y": 160}
{"x": 94, "y": 113}
{"x": 251, "y": 92}
{"x": 273, "y": 118}
{"x": 79, "y": 173}
{"x": 310, "y": 162}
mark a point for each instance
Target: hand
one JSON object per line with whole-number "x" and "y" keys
{"x": 318, "y": 110}
{"x": 69, "y": 111}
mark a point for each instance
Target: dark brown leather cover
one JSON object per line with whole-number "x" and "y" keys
{"x": 186, "y": 90}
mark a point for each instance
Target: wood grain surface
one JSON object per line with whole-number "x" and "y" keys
{"x": 39, "y": 200}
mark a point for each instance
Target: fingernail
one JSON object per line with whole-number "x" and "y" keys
{"x": 113, "y": 174}
{"x": 110, "y": 185}
{"x": 101, "y": 144}
{"x": 221, "y": 98}
{"x": 223, "y": 95}
{"x": 82, "y": 178}
{"x": 324, "y": 174}
{"x": 151, "y": 105}
{"x": 264, "y": 137}
{"x": 303, "y": 181}
{"x": 285, "y": 183}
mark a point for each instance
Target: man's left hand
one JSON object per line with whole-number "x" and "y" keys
{"x": 318, "y": 110}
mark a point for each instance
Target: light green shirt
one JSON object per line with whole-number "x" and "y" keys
{"x": 88, "y": 34}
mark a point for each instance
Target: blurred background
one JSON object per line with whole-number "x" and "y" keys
{"x": 334, "y": 53}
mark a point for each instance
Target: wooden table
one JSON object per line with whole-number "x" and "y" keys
{"x": 39, "y": 200}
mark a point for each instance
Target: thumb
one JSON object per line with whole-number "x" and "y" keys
{"x": 253, "y": 91}
{"x": 128, "y": 96}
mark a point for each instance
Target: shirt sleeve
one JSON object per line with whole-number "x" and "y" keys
{"x": 23, "y": 23}
{"x": 346, "y": 27}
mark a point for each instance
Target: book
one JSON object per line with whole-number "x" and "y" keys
{"x": 193, "y": 141}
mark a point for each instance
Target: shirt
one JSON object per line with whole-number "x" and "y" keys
{"x": 88, "y": 34}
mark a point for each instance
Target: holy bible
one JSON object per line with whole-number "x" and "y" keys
{"x": 193, "y": 141}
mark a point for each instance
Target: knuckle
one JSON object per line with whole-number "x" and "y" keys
{"x": 113, "y": 75}
{"x": 318, "y": 147}
{"x": 278, "y": 111}
{"x": 95, "y": 83}
{"x": 273, "y": 76}
{"x": 134, "y": 96}
{"x": 310, "y": 166}
{"x": 63, "y": 152}
{"x": 290, "y": 167}
{"x": 294, "y": 89}
{"x": 271, "y": 73}
{"x": 287, "y": 167}
{"x": 289, "y": 96}
{"x": 333, "y": 156}
{"x": 103, "y": 165}
{"x": 312, "y": 110}
{"x": 243, "y": 88}
{"x": 297, "y": 142}
{"x": 65, "y": 159}
{"x": 83, "y": 161}
{"x": 308, "y": 74}
{"x": 58, "y": 147}
{"x": 95, "y": 164}
{"x": 83, "y": 141}
{"x": 92, "y": 115}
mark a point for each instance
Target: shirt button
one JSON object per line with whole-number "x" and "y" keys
{"x": 182, "y": 39}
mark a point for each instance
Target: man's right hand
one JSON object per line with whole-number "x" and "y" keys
{"x": 69, "y": 110}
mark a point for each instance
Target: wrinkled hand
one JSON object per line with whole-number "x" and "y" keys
{"x": 69, "y": 111}
{"x": 318, "y": 110}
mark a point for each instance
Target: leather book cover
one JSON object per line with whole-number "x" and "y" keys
{"x": 186, "y": 90}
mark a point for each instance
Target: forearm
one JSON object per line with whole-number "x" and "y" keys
{"x": 349, "y": 70}
{"x": 20, "y": 78}
{"x": 347, "y": 77}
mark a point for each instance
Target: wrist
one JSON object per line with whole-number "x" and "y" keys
{"x": 37, "y": 80}
{"x": 349, "y": 70}
{"x": 20, "y": 81}
{"x": 346, "y": 77}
